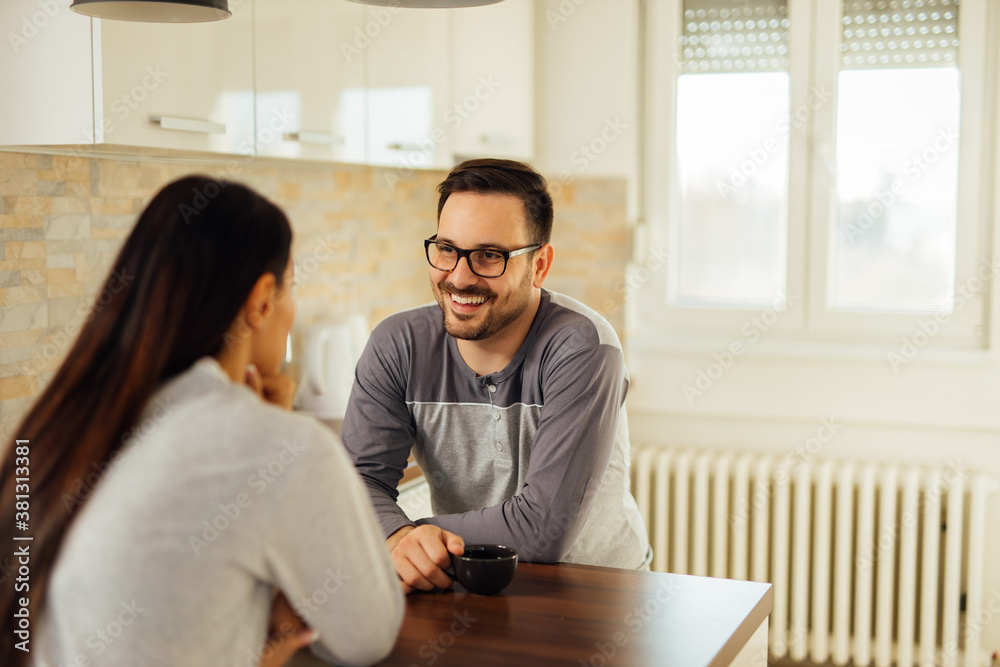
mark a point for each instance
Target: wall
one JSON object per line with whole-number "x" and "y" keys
{"x": 586, "y": 93}
{"x": 357, "y": 244}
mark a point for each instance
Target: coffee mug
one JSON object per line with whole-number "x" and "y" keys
{"x": 484, "y": 569}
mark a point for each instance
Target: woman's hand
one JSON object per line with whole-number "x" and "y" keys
{"x": 287, "y": 633}
{"x": 276, "y": 389}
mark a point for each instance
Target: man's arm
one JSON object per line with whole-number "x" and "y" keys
{"x": 377, "y": 431}
{"x": 583, "y": 396}
{"x": 378, "y": 434}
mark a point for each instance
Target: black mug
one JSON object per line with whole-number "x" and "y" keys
{"x": 484, "y": 569}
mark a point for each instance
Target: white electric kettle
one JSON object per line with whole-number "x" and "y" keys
{"x": 326, "y": 369}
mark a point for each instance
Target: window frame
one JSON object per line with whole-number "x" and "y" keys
{"x": 814, "y": 55}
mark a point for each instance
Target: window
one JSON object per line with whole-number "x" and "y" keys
{"x": 897, "y": 157}
{"x": 733, "y": 163}
{"x": 817, "y": 157}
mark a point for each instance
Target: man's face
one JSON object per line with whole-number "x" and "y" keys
{"x": 471, "y": 220}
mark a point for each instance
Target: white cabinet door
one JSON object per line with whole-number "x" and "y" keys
{"x": 45, "y": 75}
{"x": 185, "y": 86}
{"x": 310, "y": 79}
{"x": 493, "y": 110}
{"x": 409, "y": 73}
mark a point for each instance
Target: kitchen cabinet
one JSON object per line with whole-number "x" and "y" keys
{"x": 310, "y": 83}
{"x": 493, "y": 109}
{"x": 76, "y": 80}
{"x": 300, "y": 79}
{"x": 448, "y": 85}
{"x": 409, "y": 84}
{"x": 185, "y": 86}
{"x": 45, "y": 76}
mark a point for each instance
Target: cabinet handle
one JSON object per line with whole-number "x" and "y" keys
{"x": 403, "y": 146}
{"x": 321, "y": 138}
{"x": 188, "y": 125}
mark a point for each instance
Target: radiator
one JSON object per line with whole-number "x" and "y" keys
{"x": 871, "y": 563}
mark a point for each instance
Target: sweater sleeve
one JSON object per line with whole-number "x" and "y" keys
{"x": 584, "y": 394}
{"x": 329, "y": 557}
{"x": 378, "y": 431}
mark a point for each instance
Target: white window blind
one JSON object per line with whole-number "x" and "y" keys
{"x": 899, "y": 33}
{"x": 720, "y": 36}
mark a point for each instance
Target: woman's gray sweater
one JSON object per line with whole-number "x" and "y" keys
{"x": 217, "y": 501}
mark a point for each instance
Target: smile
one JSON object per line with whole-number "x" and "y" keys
{"x": 468, "y": 300}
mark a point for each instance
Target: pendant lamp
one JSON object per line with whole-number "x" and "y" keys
{"x": 432, "y": 4}
{"x": 155, "y": 11}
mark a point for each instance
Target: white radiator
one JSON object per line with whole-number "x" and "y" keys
{"x": 870, "y": 562}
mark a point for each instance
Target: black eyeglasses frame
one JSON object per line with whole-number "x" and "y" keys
{"x": 463, "y": 252}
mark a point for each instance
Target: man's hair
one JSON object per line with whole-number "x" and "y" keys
{"x": 493, "y": 176}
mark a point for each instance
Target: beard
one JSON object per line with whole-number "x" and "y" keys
{"x": 500, "y": 312}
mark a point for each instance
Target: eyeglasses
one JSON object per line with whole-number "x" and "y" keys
{"x": 484, "y": 262}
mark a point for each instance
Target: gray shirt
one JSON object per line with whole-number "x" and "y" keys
{"x": 535, "y": 456}
{"x": 217, "y": 500}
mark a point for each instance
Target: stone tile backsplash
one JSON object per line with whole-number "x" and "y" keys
{"x": 358, "y": 233}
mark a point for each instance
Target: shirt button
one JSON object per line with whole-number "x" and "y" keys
{"x": 499, "y": 447}
{"x": 493, "y": 388}
{"x": 496, "y": 415}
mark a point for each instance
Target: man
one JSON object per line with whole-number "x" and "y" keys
{"x": 511, "y": 396}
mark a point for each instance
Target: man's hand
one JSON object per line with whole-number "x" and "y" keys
{"x": 421, "y": 555}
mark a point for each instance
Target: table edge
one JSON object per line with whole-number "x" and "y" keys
{"x": 746, "y": 630}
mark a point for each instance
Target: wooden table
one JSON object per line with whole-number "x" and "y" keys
{"x": 582, "y": 615}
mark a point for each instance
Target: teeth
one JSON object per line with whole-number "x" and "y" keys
{"x": 467, "y": 300}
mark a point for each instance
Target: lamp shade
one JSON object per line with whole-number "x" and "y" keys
{"x": 432, "y": 4}
{"x": 155, "y": 11}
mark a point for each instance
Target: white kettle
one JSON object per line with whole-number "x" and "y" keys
{"x": 326, "y": 368}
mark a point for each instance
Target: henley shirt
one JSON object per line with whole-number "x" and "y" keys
{"x": 534, "y": 456}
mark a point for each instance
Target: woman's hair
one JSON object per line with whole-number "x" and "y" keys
{"x": 176, "y": 287}
{"x": 505, "y": 177}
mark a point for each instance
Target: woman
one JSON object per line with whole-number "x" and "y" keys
{"x": 172, "y": 493}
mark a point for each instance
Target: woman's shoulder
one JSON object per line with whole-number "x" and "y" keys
{"x": 219, "y": 418}
{"x": 273, "y": 427}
